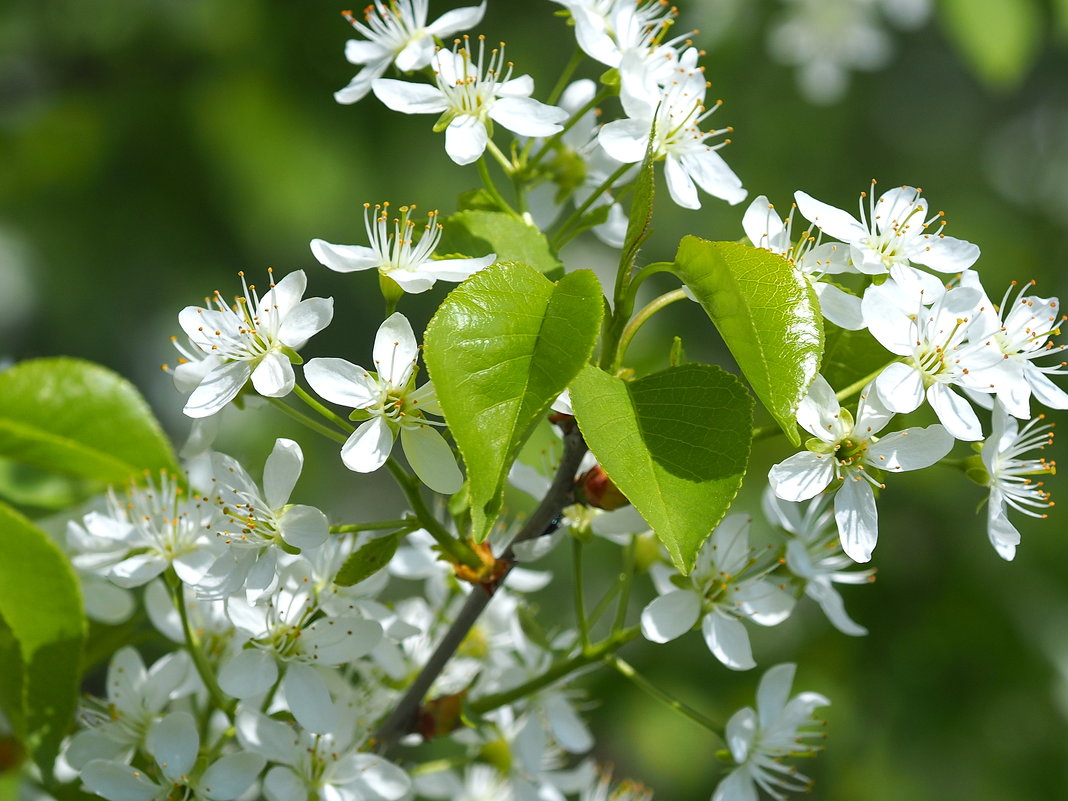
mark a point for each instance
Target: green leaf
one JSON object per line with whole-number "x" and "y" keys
{"x": 79, "y": 418}
{"x": 41, "y": 606}
{"x": 850, "y": 356}
{"x": 676, "y": 443}
{"x": 641, "y": 209}
{"x": 998, "y": 39}
{"x": 766, "y": 312}
{"x": 474, "y": 233}
{"x": 499, "y": 350}
{"x": 367, "y": 560}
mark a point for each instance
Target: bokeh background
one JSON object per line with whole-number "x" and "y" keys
{"x": 149, "y": 149}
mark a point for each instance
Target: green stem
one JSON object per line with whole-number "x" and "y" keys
{"x": 580, "y": 599}
{"x": 303, "y": 419}
{"x": 603, "y": 604}
{"x": 576, "y": 216}
{"x": 382, "y": 525}
{"x": 459, "y": 551}
{"x": 565, "y": 76}
{"x": 329, "y": 414}
{"x": 487, "y": 181}
{"x": 629, "y": 672}
{"x": 200, "y": 661}
{"x": 641, "y": 318}
{"x": 625, "y": 579}
{"x": 648, "y": 270}
{"x": 556, "y": 672}
{"x": 857, "y": 386}
{"x": 502, "y": 159}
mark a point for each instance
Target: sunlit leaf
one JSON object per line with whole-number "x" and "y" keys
{"x": 79, "y": 418}
{"x": 676, "y": 443}
{"x": 767, "y": 314}
{"x": 41, "y": 607}
{"x": 499, "y": 350}
{"x": 476, "y": 232}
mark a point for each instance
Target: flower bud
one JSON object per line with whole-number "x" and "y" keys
{"x": 595, "y": 488}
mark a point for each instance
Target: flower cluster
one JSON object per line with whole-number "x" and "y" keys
{"x": 947, "y": 345}
{"x": 316, "y": 658}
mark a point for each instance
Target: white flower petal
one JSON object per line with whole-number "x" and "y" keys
{"x": 308, "y": 698}
{"x": 229, "y": 777}
{"x": 773, "y": 693}
{"x": 273, "y": 376}
{"x": 174, "y": 742}
{"x": 466, "y": 139}
{"x": 828, "y": 219}
{"x": 567, "y": 727}
{"x": 431, "y": 458}
{"x": 248, "y": 673}
{"x": 345, "y": 258}
{"x": 304, "y": 321}
{"x": 219, "y": 387}
{"x": 911, "y": 449}
{"x": 900, "y": 386}
{"x": 955, "y": 413}
{"x": 382, "y": 778}
{"x": 728, "y": 641}
{"x": 369, "y": 446}
{"x": 341, "y": 382}
{"x": 527, "y": 117}
{"x": 395, "y": 349}
{"x": 281, "y": 471}
{"x": 282, "y": 784}
{"x": 857, "y": 518}
{"x": 802, "y": 476}
{"x": 670, "y": 616}
{"x": 337, "y": 640}
{"x": 118, "y": 782}
{"x": 680, "y": 185}
{"x": 304, "y": 526}
{"x": 409, "y": 98}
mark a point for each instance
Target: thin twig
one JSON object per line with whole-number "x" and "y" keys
{"x": 403, "y": 717}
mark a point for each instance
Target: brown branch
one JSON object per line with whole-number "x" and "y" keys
{"x": 403, "y": 718}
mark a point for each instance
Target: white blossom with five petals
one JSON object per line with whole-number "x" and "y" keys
{"x": 256, "y": 338}
{"x": 396, "y": 32}
{"x": 470, "y": 93}
{"x": 842, "y": 454}
{"x": 393, "y": 404}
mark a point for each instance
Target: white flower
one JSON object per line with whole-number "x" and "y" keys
{"x": 719, "y": 593}
{"x": 815, "y": 556}
{"x": 892, "y": 236}
{"x": 148, "y": 530}
{"x": 759, "y": 739}
{"x": 290, "y": 626}
{"x": 136, "y": 698}
{"x": 253, "y": 523}
{"x": 396, "y": 32}
{"x": 938, "y": 354}
{"x": 1021, "y": 331}
{"x": 768, "y": 231}
{"x": 396, "y": 255}
{"x": 674, "y": 117}
{"x": 470, "y": 93}
{"x": 257, "y": 338}
{"x": 174, "y": 745}
{"x": 390, "y": 399}
{"x": 1008, "y": 476}
{"x": 326, "y": 766}
{"x": 843, "y": 453}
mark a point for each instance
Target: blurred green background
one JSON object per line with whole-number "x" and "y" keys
{"x": 149, "y": 149}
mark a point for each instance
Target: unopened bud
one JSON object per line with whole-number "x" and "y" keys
{"x": 595, "y": 488}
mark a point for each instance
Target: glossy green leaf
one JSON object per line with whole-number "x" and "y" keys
{"x": 998, "y": 39}
{"x": 41, "y": 606}
{"x": 641, "y": 209}
{"x": 499, "y": 350}
{"x": 367, "y": 560}
{"x": 850, "y": 356}
{"x": 676, "y": 443}
{"x": 79, "y": 418}
{"x": 767, "y": 314}
{"x": 476, "y": 232}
